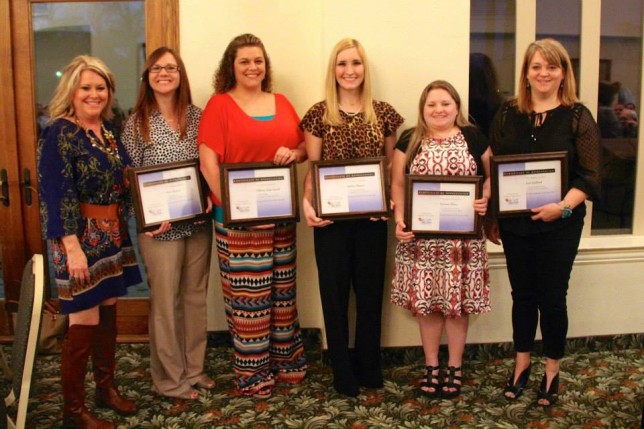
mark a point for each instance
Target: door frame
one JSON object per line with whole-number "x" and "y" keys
{"x": 19, "y": 222}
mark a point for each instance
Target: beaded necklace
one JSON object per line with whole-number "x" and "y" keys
{"x": 110, "y": 149}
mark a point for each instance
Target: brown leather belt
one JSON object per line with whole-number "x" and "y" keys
{"x": 97, "y": 211}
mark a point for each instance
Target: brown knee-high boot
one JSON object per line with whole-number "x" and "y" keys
{"x": 76, "y": 350}
{"x": 104, "y": 364}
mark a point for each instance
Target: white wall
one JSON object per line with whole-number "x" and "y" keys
{"x": 409, "y": 44}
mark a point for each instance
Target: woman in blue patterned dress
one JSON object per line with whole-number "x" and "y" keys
{"x": 440, "y": 280}
{"x": 81, "y": 168}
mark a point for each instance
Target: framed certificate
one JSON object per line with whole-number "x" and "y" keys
{"x": 442, "y": 206}
{"x": 524, "y": 181}
{"x": 259, "y": 193}
{"x": 171, "y": 192}
{"x": 350, "y": 188}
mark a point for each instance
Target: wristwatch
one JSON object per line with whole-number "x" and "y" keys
{"x": 566, "y": 211}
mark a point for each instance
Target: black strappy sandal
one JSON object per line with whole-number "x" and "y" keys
{"x": 431, "y": 381}
{"x": 517, "y": 388}
{"x": 451, "y": 383}
{"x": 551, "y": 395}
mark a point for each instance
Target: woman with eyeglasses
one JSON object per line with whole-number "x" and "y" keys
{"x": 163, "y": 128}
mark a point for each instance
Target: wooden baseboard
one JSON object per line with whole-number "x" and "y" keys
{"x": 5, "y": 328}
{"x": 132, "y": 317}
{"x": 132, "y": 321}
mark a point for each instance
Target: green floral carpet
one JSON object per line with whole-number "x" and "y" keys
{"x": 602, "y": 386}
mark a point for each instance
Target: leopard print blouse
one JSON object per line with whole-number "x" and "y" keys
{"x": 354, "y": 138}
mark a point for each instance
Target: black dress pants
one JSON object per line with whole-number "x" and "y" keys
{"x": 349, "y": 254}
{"x": 539, "y": 267}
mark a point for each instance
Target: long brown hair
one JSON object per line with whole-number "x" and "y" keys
{"x": 224, "y": 78}
{"x": 146, "y": 103}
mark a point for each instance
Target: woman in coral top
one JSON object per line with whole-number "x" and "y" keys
{"x": 245, "y": 122}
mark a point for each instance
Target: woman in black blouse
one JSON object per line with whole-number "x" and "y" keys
{"x": 546, "y": 116}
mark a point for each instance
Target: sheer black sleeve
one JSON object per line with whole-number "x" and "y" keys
{"x": 588, "y": 152}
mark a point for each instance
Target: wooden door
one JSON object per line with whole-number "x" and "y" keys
{"x": 20, "y": 233}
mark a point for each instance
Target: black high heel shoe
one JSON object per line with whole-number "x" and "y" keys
{"x": 431, "y": 381}
{"x": 516, "y": 389}
{"x": 451, "y": 383}
{"x": 551, "y": 395}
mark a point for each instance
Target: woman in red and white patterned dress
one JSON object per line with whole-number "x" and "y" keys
{"x": 443, "y": 280}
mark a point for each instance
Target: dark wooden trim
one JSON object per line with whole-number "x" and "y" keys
{"x": 12, "y": 244}
{"x": 162, "y": 24}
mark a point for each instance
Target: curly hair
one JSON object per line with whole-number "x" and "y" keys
{"x": 224, "y": 78}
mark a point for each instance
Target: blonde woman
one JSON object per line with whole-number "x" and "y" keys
{"x": 82, "y": 194}
{"x": 349, "y": 124}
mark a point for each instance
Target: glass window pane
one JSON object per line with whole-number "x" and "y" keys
{"x": 492, "y": 45}
{"x": 618, "y": 112}
{"x": 114, "y": 31}
{"x": 561, "y": 20}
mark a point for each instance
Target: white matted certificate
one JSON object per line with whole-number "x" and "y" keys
{"x": 522, "y": 182}
{"x": 170, "y": 192}
{"x": 353, "y": 188}
{"x": 259, "y": 193}
{"x": 440, "y": 206}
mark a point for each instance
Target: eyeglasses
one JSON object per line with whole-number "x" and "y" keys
{"x": 170, "y": 68}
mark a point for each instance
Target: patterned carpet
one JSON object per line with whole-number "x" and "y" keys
{"x": 602, "y": 387}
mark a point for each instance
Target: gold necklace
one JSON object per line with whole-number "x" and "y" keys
{"x": 110, "y": 149}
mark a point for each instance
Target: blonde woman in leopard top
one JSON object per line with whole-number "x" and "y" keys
{"x": 540, "y": 249}
{"x": 349, "y": 124}
{"x": 163, "y": 128}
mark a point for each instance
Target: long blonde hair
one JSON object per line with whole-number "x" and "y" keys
{"x": 421, "y": 126}
{"x": 61, "y": 104}
{"x": 555, "y": 54}
{"x": 332, "y": 114}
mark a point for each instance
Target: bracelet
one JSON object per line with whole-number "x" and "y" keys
{"x": 566, "y": 211}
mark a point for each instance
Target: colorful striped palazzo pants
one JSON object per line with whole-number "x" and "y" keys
{"x": 258, "y": 280}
